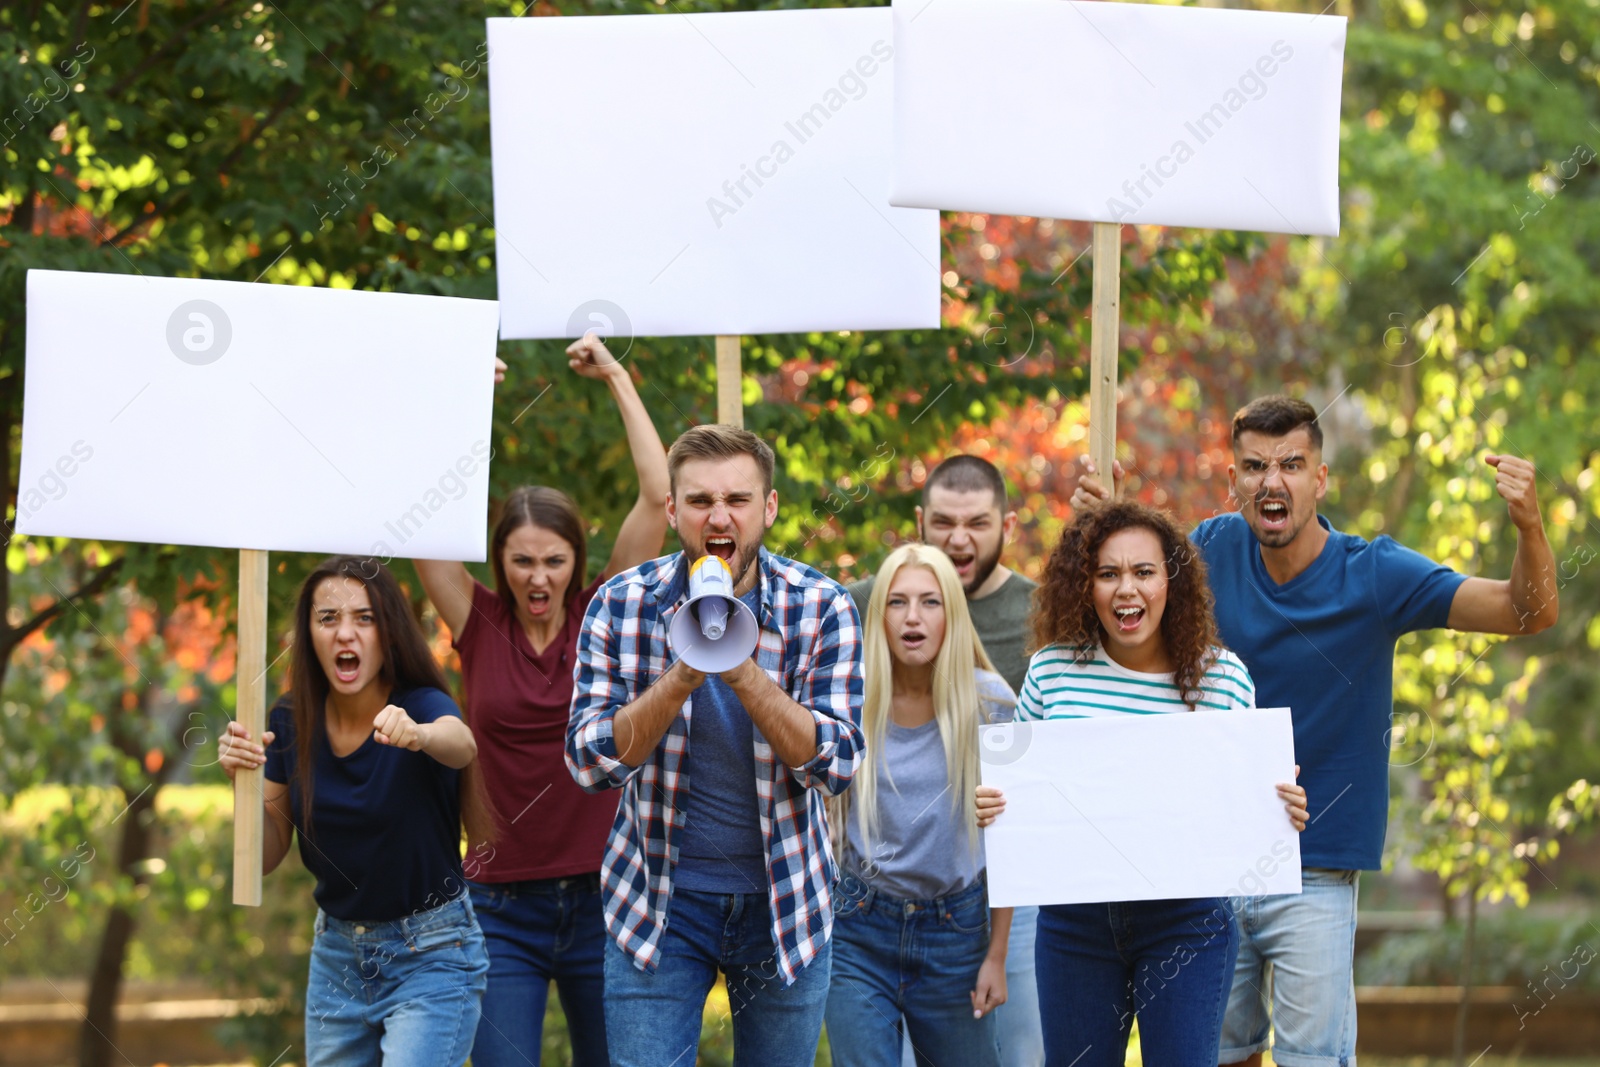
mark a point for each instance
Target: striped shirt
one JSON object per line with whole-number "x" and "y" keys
{"x": 1058, "y": 687}
{"x": 810, "y": 645}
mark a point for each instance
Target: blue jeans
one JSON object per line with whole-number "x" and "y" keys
{"x": 403, "y": 993}
{"x": 1307, "y": 944}
{"x": 551, "y": 929}
{"x": 1168, "y": 962}
{"x": 916, "y": 959}
{"x": 653, "y": 1020}
{"x": 1021, "y": 1034}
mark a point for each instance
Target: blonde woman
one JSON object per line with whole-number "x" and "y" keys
{"x": 913, "y": 934}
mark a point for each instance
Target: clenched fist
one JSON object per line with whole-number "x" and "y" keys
{"x": 590, "y": 357}
{"x": 1514, "y": 481}
{"x": 394, "y": 727}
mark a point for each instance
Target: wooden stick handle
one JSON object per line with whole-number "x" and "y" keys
{"x": 730, "y": 381}
{"x": 250, "y": 683}
{"x": 1103, "y": 347}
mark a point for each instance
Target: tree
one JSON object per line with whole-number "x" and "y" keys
{"x": 1466, "y": 287}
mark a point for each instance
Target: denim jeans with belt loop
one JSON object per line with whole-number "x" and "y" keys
{"x": 915, "y": 960}
{"x": 400, "y": 993}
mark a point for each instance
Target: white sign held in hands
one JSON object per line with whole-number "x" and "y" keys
{"x": 1147, "y": 807}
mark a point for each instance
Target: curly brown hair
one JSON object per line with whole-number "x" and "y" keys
{"x": 1064, "y": 605}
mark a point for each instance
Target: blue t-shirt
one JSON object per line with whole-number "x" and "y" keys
{"x": 1322, "y": 645}
{"x": 720, "y": 849}
{"x": 386, "y": 822}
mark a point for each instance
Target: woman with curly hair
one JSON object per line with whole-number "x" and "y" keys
{"x": 1123, "y": 625}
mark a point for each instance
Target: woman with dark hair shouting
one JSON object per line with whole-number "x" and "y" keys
{"x": 537, "y": 889}
{"x": 1123, "y": 625}
{"x": 369, "y": 762}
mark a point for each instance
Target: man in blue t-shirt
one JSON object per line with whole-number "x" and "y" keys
{"x": 1315, "y": 613}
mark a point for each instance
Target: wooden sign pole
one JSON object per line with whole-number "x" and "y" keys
{"x": 730, "y": 381}
{"x": 1103, "y": 348}
{"x": 250, "y": 684}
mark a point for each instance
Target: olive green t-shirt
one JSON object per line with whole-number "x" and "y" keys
{"x": 1001, "y": 619}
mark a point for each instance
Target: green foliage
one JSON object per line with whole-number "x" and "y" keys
{"x": 187, "y": 924}
{"x": 1514, "y": 948}
{"x": 1468, "y": 832}
{"x": 1466, "y": 285}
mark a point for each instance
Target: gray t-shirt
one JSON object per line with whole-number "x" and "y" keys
{"x": 1001, "y": 619}
{"x": 922, "y": 849}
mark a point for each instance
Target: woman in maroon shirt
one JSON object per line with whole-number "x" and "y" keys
{"x": 536, "y": 890}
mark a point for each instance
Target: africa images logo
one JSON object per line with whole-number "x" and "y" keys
{"x": 199, "y": 332}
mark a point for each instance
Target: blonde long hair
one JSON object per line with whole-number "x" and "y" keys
{"x": 955, "y": 698}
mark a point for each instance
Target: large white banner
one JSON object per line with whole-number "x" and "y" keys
{"x": 198, "y": 412}
{"x": 1110, "y": 112}
{"x": 1141, "y": 807}
{"x": 702, "y": 174}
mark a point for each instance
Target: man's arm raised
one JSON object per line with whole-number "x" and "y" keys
{"x": 1527, "y": 602}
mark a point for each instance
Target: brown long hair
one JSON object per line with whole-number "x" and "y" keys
{"x": 550, "y": 509}
{"x": 407, "y": 664}
{"x": 1064, "y": 604}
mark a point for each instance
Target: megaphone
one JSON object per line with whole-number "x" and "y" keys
{"x": 714, "y": 631}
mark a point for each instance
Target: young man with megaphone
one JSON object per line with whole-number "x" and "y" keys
{"x": 749, "y": 663}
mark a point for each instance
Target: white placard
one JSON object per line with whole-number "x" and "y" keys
{"x": 1148, "y": 807}
{"x": 289, "y": 418}
{"x": 680, "y": 174}
{"x": 1110, "y": 112}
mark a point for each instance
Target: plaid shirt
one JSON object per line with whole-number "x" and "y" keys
{"x": 810, "y": 645}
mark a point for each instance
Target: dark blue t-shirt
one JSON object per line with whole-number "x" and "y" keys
{"x": 1322, "y": 645}
{"x": 720, "y": 849}
{"x": 386, "y": 822}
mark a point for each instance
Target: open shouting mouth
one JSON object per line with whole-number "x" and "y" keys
{"x": 347, "y": 667}
{"x": 1129, "y": 618}
{"x": 721, "y": 547}
{"x": 1273, "y": 513}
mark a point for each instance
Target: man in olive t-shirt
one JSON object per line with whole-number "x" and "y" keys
{"x": 964, "y": 515}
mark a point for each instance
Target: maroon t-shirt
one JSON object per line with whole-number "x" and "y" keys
{"x": 517, "y": 702}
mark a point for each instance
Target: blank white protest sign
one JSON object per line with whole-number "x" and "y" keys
{"x": 676, "y": 174}
{"x": 1115, "y": 112}
{"x": 287, "y": 418}
{"x": 1141, "y": 807}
